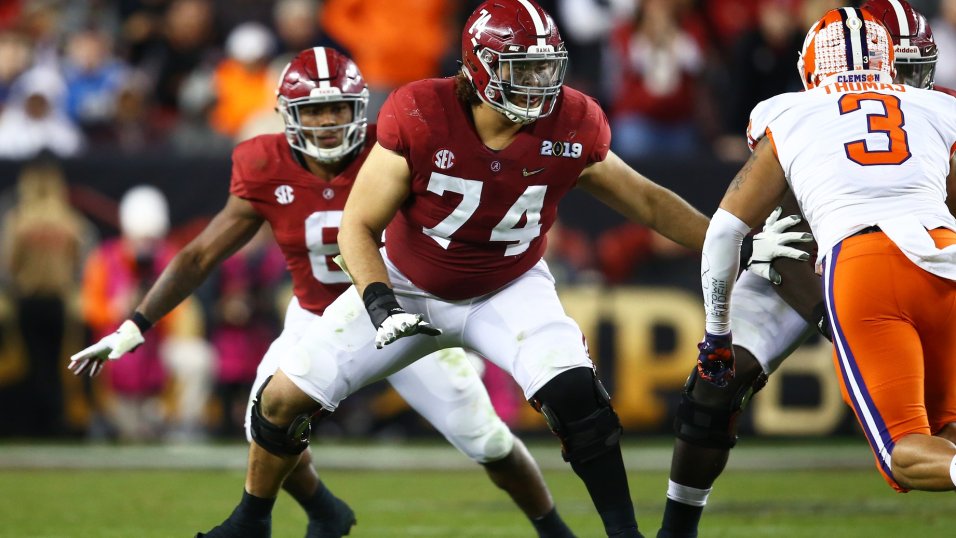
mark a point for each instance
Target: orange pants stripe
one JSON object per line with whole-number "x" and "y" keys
{"x": 894, "y": 336}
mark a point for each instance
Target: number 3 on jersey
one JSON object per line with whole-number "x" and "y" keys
{"x": 529, "y": 205}
{"x": 890, "y": 122}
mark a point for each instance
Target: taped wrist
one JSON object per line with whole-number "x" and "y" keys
{"x": 380, "y": 302}
{"x": 141, "y": 322}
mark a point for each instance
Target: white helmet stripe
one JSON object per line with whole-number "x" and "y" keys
{"x": 539, "y": 28}
{"x": 322, "y": 66}
{"x": 282, "y": 77}
{"x": 856, "y": 33}
{"x": 903, "y": 23}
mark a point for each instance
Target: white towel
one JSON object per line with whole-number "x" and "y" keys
{"x": 912, "y": 238}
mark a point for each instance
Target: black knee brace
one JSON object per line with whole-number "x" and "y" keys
{"x": 571, "y": 394}
{"x": 713, "y": 425}
{"x": 279, "y": 440}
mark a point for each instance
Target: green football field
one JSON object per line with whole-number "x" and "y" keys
{"x": 771, "y": 489}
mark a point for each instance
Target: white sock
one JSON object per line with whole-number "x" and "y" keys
{"x": 952, "y": 470}
{"x": 698, "y": 497}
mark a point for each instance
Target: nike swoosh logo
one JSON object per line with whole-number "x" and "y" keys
{"x": 525, "y": 172}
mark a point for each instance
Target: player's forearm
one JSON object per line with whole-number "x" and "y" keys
{"x": 674, "y": 218}
{"x": 180, "y": 278}
{"x": 720, "y": 263}
{"x": 359, "y": 247}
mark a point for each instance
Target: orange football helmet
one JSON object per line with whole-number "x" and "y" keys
{"x": 846, "y": 40}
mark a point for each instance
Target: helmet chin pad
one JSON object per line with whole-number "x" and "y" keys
{"x": 350, "y": 141}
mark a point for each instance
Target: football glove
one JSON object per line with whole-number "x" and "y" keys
{"x": 772, "y": 243}
{"x": 390, "y": 319}
{"x": 715, "y": 360}
{"x": 111, "y": 347}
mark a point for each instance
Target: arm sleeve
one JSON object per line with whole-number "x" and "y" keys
{"x": 389, "y": 129}
{"x": 602, "y": 139}
{"x": 757, "y": 125}
{"x": 237, "y": 183}
{"x": 719, "y": 265}
{"x": 952, "y": 147}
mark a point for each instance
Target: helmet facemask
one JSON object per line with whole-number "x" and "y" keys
{"x": 523, "y": 85}
{"x": 913, "y": 43}
{"x": 917, "y": 70}
{"x": 307, "y": 139}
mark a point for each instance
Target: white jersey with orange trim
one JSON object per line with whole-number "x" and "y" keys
{"x": 865, "y": 153}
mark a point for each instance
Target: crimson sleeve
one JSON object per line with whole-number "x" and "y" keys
{"x": 389, "y": 128}
{"x": 237, "y": 183}
{"x": 602, "y": 137}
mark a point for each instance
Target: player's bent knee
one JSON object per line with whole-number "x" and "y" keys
{"x": 712, "y": 423}
{"x": 495, "y": 445}
{"x": 578, "y": 410}
{"x": 287, "y": 440}
{"x": 486, "y": 442}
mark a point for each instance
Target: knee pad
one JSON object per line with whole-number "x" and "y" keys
{"x": 489, "y": 440}
{"x": 282, "y": 441}
{"x": 582, "y": 439}
{"x": 713, "y": 425}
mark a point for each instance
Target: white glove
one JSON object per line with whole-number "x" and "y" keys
{"x": 127, "y": 338}
{"x": 403, "y": 324}
{"x": 772, "y": 243}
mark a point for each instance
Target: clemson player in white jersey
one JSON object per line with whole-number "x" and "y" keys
{"x": 776, "y": 307}
{"x": 871, "y": 163}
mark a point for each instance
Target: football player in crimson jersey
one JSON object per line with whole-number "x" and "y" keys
{"x": 298, "y": 183}
{"x": 769, "y": 321}
{"x": 467, "y": 174}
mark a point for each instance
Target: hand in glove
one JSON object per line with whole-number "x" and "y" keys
{"x": 715, "y": 362}
{"x": 391, "y": 320}
{"x": 111, "y": 347}
{"x": 772, "y": 243}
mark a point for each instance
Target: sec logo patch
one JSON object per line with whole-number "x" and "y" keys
{"x": 444, "y": 159}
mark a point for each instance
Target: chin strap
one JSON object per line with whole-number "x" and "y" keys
{"x": 521, "y": 121}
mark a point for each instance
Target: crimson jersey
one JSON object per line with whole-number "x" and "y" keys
{"x": 947, "y": 91}
{"x": 304, "y": 212}
{"x": 476, "y": 218}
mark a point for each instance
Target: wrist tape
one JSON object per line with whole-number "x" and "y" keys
{"x": 380, "y": 302}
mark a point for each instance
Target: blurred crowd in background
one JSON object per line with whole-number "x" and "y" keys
{"x": 186, "y": 78}
{"x": 195, "y": 76}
